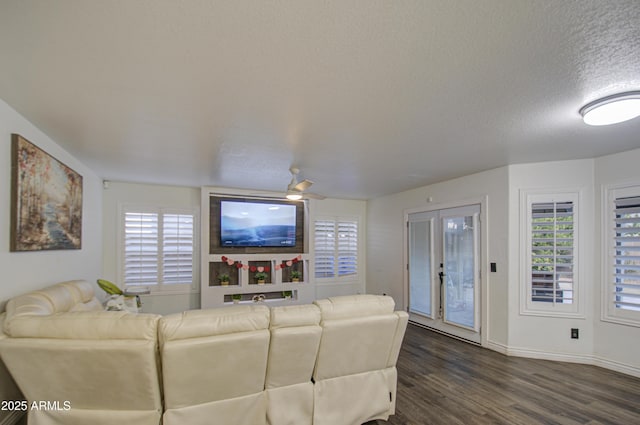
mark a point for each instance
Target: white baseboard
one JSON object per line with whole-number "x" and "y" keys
{"x": 617, "y": 366}
{"x": 564, "y": 357}
{"x": 546, "y": 355}
{"x": 496, "y": 346}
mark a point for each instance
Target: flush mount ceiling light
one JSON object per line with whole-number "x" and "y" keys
{"x": 612, "y": 109}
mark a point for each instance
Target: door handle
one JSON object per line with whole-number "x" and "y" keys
{"x": 441, "y": 276}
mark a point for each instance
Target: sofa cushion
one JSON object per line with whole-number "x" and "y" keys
{"x": 69, "y": 310}
{"x": 347, "y": 306}
{"x": 222, "y": 321}
{"x": 295, "y": 337}
{"x": 81, "y": 290}
{"x": 294, "y": 315}
{"x": 85, "y": 325}
{"x": 75, "y": 295}
{"x": 355, "y": 345}
{"x": 213, "y": 355}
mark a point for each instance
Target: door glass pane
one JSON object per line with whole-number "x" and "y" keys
{"x": 420, "y": 267}
{"x": 459, "y": 269}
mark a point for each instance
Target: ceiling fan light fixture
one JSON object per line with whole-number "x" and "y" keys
{"x": 612, "y": 109}
{"x": 293, "y": 195}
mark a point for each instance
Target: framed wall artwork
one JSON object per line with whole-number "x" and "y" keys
{"x": 46, "y": 200}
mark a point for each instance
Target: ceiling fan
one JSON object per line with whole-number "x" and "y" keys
{"x": 296, "y": 190}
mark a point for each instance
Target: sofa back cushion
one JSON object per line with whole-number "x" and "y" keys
{"x": 295, "y": 337}
{"x": 85, "y": 325}
{"x": 99, "y": 362}
{"x": 350, "y": 306}
{"x": 212, "y": 355}
{"x": 90, "y": 374}
{"x": 358, "y": 335}
{"x": 75, "y": 295}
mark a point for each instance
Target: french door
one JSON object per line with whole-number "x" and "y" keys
{"x": 444, "y": 270}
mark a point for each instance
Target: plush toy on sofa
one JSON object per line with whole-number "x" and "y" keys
{"x": 116, "y": 299}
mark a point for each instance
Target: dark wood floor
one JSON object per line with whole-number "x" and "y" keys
{"x": 445, "y": 381}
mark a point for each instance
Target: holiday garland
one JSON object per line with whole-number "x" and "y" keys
{"x": 267, "y": 269}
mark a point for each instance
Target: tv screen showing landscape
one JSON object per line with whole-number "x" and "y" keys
{"x": 257, "y": 224}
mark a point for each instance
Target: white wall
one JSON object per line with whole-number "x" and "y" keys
{"x": 145, "y": 194}
{"x": 615, "y": 346}
{"x": 508, "y": 329}
{"x": 385, "y": 239}
{"x": 549, "y": 337}
{"x": 24, "y": 271}
{"x": 601, "y": 343}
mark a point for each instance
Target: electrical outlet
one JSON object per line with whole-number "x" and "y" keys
{"x": 574, "y": 333}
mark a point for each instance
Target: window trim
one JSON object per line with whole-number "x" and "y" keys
{"x": 609, "y": 195}
{"x": 528, "y": 307}
{"x": 160, "y": 288}
{"x": 336, "y": 279}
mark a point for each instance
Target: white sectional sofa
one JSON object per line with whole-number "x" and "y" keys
{"x": 330, "y": 362}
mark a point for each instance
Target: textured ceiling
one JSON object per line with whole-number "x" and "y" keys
{"x": 366, "y": 97}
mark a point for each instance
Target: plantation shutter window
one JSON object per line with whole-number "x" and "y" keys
{"x": 550, "y": 248}
{"x": 336, "y": 248}
{"x": 177, "y": 249}
{"x": 347, "y": 248}
{"x": 325, "y": 241}
{"x": 141, "y": 248}
{"x": 157, "y": 248}
{"x": 625, "y": 283}
{"x": 552, "y": 252}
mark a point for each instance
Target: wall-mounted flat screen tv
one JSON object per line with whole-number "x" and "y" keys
{"x": 257, "y": 224}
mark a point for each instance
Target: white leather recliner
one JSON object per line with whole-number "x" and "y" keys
{"x": 214, "y": 364}
{"x": 295, "y": 337}
{"x": 79, "y": 364}
{"x": 355, "y": 374}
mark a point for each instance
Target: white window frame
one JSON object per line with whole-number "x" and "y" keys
{"x": 609, "y": 195}
{"x": 160, "y": 287}
{"x": 336, "y": 278}
{"x": 529, "y": 197}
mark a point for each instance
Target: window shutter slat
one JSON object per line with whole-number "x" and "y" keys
{"x": 141, "y": 248}
{"x": 336, "y": 248}
{"x": 347, "y": 248}
{"x": 177, "y": 255}
{"x": 324, "y": 241}
{"x": 157, "y": 248}
{"x": 551, "y": 250}
{"x": 626, "y": 265}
